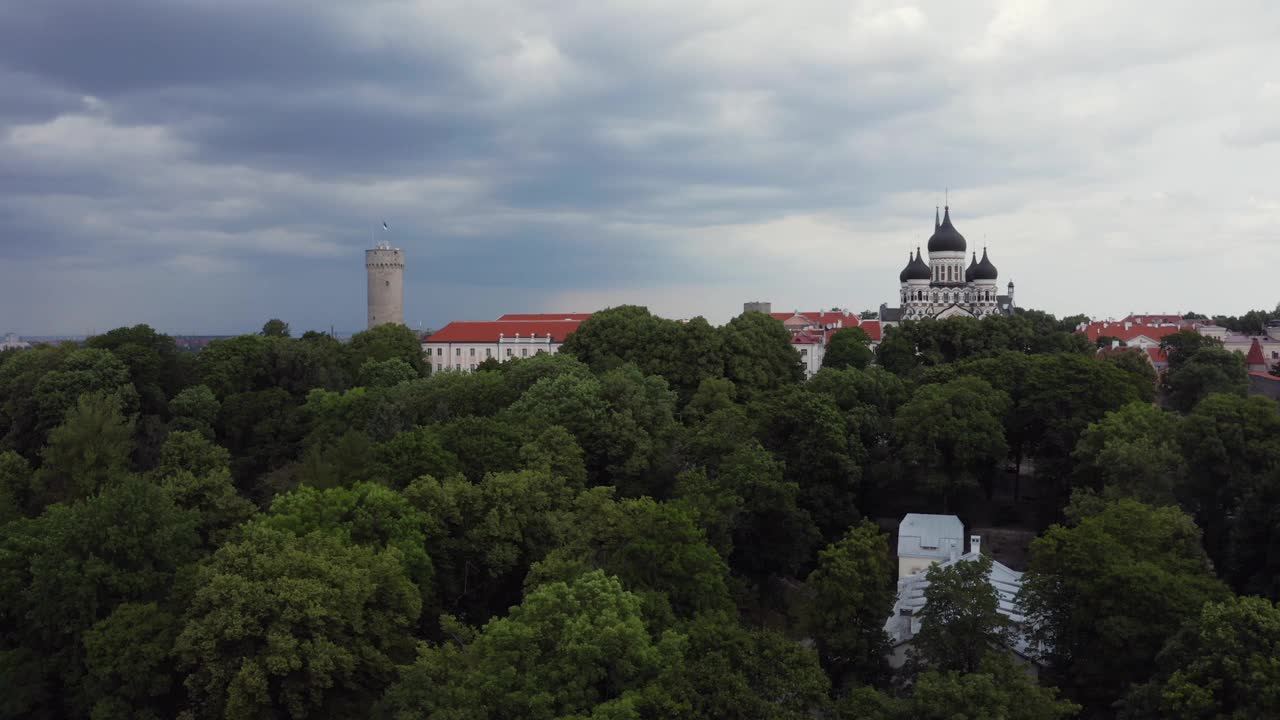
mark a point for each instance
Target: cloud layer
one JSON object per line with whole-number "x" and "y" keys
{"x": 202, "y": 165}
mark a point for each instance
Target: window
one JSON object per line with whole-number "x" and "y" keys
{"x": 804, "y": 353}
{"x": 508, "y": 352}
{"x": 473, "y": 352}
{"x": 457, "y": 352}
{"x": 488, "y": 352}
{"x": 524, "y": 352}
{"x": 473, "y": 366}
{"x": 388, "y": 283}
{"x": 439, "y": 367}
{"x": 457, "y": 366}
{"x": 439, "y": 352}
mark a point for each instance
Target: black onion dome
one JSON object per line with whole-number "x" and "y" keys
{"x": 902, "y": 276}
{"x": 973, "y": 265}
{"x": 918, "y": 270}
{"x": 985, "y": 270}
{"x": 946, "y": 238}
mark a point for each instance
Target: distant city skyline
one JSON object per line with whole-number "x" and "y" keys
{"x": 204, "y": 166}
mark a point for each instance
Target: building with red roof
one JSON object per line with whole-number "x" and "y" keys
{"x": 462, "y": 345}
{"x": 1254, "y": 360}
{"x": 546, "y": 316}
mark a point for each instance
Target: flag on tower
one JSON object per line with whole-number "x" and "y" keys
{"x": 384, "y": 225}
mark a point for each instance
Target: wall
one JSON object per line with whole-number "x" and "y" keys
{"x": 385, "y": 267}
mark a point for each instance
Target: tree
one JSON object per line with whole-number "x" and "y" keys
{"x": 386, "y": 373}
{"x": 848, "y": 347}
{"x": 1221, "y": 664}
{"x": 130, "y": 662}
{"x": 848, "y": 597}
{"x": 758, "y": 355}
{"x": 286, "y": 626}
{"x": 1141, "y": 372}
{"x": 1206, "y": 371}
{"x": 62, "y": 573}
{"x": 191, "y": 452}
{"x": 579, "y": 649}
{"x": 820, "y": 453}
{"x": 1132, "y": 452}
{"x": 1229, "y": 442}
{"x": 1104, "y": 595}
{"x": 275, "y": 328}
{"x": 998, "y": 689}
{"x": 1253, "y": 553}
{"x": 383, "y": 343}
{"x": 1183, "y": 345}
{"x": 157, "y": 369}
{"x": 195, "y": 409}
{"x": 655, "y": 549}
{"x": 961, "y": 622}
{"x": 954, "y": 431}
{"x": 89, "y": 451}
{"x": 896, "y": 352}
{"x": 20, "y": 495}
{"x": 212, "y": 495}
{"x": 414, "y": 454}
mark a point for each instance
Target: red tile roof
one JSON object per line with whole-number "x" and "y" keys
{"x": 545, "y": 316}
{"x": 872, "y": 328}
{"x": 489, "y": 331}
{"x": 1266, "y": 376}
{"x": 1158, "y": 356}
{"x": 1255, "y": 355}
{"x": 1128, "y": 331}
{"x": 1154, "y": 319}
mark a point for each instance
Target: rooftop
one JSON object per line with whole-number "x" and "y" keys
{"x": 491, "y": 331}
{"x": 930, "y": 536}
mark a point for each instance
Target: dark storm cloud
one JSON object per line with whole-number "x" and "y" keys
{"x": 527, "y": 152}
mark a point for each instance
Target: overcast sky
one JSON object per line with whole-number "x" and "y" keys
{"x": 203, "y": 165}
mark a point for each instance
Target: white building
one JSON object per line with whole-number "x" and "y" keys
{"x": 927, "y": 540}
{"x": 811, "y": 331}
{"x": 13, "y": 342}
{"x": 944, "y": 287}
{"x": 463, "y": 345}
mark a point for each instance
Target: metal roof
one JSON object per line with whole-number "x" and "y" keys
{"x": 930, "y": 536}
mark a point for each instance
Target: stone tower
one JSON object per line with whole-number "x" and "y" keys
{"x": 385, "y": 266}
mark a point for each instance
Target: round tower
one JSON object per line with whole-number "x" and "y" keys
{"x": 385, "y": 267}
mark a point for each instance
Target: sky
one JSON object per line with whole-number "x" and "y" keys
{"x": 204, "y": 165}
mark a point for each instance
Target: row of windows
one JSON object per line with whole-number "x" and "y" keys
{"x": 946, "y": 273}
{"x": 920, "y": 295}
{"x": 488, "y": 352}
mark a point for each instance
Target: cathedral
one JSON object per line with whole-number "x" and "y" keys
{"x": 944, "y": 287}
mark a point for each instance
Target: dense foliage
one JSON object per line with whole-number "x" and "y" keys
{"x": 665, "y": 519}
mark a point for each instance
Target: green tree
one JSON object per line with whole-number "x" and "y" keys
{"x": 1221, "y": 664}
{"x": 758, "y": 355}
{"x": 848, "y": 597}
{"x": 1206, "y": 371}
{"x": 1132, "y": 452}
{"x": 157, "y": 369}
{"x": 221, "y": 509}
{"x": 84, "y": 371}
{"x": 228, "y": 366}
{"x": 20, "y": 419}
{"x": 1141, "y": 372}
{"x": 1229, "y": 442}
{"x": 1183, "y": 345}
{"x": 129, "y": 660}
{"x": 1253, "y": 557}
{"x": 848, "y": 348}
{"x": 62, "y": 573}
{"x": 20, "y": 495}
{"x": 386, "y": 373}
{"x": 896, "y": 352}
{"x": 1104, "y": 595}
{"x": 570, "y": 650}
{"x": 385, "y": 342}
{"x": 286, "y": 626}
{"x": 961, "y": 622}
{"x": 821, "y": 453}
{"x": 195, "y": 409}
{"x": 275, "y": 328}
{"x": 554, "y": 450}
{"x": 954, "y": 432}
{"x": 413, "y": 454}
{"x": 998, "y": 689}
{"x": 190, "y": 451}
{"x": 655, "y": 549}
{"x": 89, "y": 451}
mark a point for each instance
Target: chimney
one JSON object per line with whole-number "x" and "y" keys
{"x": 1115, "y": 344}
{"x": 975, "y": 544}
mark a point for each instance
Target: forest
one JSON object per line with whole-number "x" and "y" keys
{"x": 663, "y": 520}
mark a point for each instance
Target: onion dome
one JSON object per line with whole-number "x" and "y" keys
{"x": 946, "y": 238}
{"x": 918, "y": 270}
{"x": 902, "y": 276}
{"x": 985, "y": 270}
{"x": 973, "y": 265}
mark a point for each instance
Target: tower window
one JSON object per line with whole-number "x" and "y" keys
{"x": 388, "y": 283}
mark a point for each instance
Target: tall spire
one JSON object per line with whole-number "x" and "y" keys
{"x": 936, "y": 223}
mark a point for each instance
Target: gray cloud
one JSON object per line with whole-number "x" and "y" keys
{"x": 205, "y": 164}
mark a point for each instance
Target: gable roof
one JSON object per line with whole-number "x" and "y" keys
{"x": 1128, "y": 331}
{"x": 872, "y": 328}
{"x": 820, "y": 318}
{"x": 930, "y": 536}
{"x": 545, "y": 316}
{"x": 490, "y": 331}
{"x": 1255, "y": 355}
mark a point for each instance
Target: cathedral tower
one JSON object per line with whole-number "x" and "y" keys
{"x": 385, "y": 268}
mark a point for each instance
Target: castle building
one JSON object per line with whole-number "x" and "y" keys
{"x": 385, "y": 268}
{"x": 945, "y": 287}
